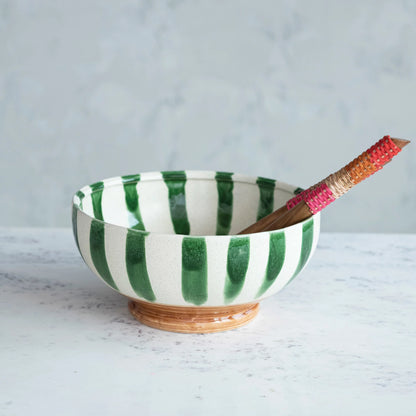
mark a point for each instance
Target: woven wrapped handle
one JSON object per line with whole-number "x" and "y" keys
{"x": 331, "y": 188}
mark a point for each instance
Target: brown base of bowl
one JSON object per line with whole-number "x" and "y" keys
{"x": 200, "y": 320}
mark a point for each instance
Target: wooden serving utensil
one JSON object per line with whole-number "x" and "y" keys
{"x": 317, "y": 197}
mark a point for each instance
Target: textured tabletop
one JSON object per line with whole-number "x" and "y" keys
{"x": 340, "y": 339}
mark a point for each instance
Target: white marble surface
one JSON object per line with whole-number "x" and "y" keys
{"x": 287, "y": 89}
{"x": 341, "y": 339}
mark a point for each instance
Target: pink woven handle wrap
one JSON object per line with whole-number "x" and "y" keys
{"x": 382, "y": 152}
{"x": 295, "y": 200}
{"x": 317, "y": 198}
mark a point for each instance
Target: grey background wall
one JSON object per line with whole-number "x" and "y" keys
{"x": 283, "y": 89}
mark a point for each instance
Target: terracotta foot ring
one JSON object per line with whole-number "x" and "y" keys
{"x": 193, "y": 319}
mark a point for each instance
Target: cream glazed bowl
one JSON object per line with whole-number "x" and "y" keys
{"x": 167, "y": 241}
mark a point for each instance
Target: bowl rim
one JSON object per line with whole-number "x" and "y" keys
{"x": 190, "y": 174}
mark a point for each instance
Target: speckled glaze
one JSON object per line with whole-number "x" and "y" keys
{"x": 169, "y": 237}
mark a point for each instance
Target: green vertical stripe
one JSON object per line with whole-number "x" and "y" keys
{"x": 136, "y": 265}
{"x": 194, "y": 270}
{"x": 97, "y": 248}
{"x": 81, "y": 196}
{"x": 277, "y": 249}
{"x": 266, "y": 201}
{"x": 75, "y": 224}
{"x": 307, "y": 240}
{"x": 132, "y": 201}
{"x": 175, "y": 181}
{"x": 237, "y": 264}
{"x": 225, "y": 187}
{"x": 97, "y": 236}
{"x": 96, "y": 196}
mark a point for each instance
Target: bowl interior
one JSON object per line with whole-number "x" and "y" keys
{"x": 184, "y": 202}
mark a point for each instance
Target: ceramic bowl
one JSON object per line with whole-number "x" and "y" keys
{"x": 167, "y": 241}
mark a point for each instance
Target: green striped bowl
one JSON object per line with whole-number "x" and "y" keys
{"x": 169, "y": 237}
